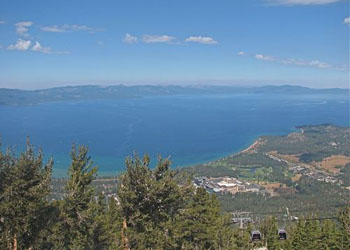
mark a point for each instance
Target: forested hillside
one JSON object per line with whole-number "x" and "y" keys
{"x": 152, "y": 209}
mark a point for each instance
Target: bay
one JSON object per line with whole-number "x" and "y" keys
{"x": 191, "y": 129}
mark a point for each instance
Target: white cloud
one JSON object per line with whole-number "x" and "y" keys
{"x": 46, "y": 50}
{"x": 54, "y": 28}
{"x": 201, "y": 39}
{"x": 37, "y": 47}
{"x": 265, "y": 58}
{"x": 2, "y": 22}
{"x": 301, "y": 2}
{"x": 347, "y": 20}
{"x": 20, "y": 45}
{"x": 22, "y": 28}
{"x": 299, "y": 62}
{"x": 69, "y": 28}
{"x": 296, "y": 62}
{"x": 130, "y": 38}
{"x": 157, "y": 39}
{"x": 318, "y": 64}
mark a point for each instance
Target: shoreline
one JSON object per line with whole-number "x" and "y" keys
{"x": 250, "y": 149}
{"x": 253, "y": 146}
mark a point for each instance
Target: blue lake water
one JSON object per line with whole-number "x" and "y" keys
{"x": 192, "y": 129}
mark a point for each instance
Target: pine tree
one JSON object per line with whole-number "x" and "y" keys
{"x": 24, "y": 187}
{"x": 159, "y": 213}
{"x": 113, "y": 223}
{"x": 242, "y": 238}
{"x": 344, "y": 220}
{"x": 98, "y": 212}
{"x": 225, "y": 234}
{"x": 269, "y": 231}
{"x": 329, "y": 236}
{"x": 200, "y": 221}
{"x": 148, "y": 199}
{"x": 298, "y": 235}
{"x": 75, "y": 228}
{"x": 307, "y": 234}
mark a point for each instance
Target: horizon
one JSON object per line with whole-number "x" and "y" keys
{"x": 176, "y": 85}
{"x": 250, "y": 43}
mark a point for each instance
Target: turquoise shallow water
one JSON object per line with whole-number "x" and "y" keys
{"x": 191, "y": 129}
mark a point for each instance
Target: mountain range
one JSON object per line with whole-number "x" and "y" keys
{"x": 17, "y": 97}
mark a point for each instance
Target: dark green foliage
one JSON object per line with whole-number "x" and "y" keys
{"x": 148, "y": 200}
{"x": 269, "y": 230}
{"x": 310, "y": 233}
{"x": 242, "y": 238}
{"x": 160, "y": 213}
{"x": 255, "y": 166}
{"x": 309, "y": 157}
{"x": 312, "y": 196}
{"x": 330, "y": 236}
{"x": 315, "y": 142}
{"x": 24, "y": 186}
{"x": 212, "y": 171}
{"x": 79, "y": 213}
{"x": 198, "y": 223}
{"x": 344, "y": 220}
{"x": 113, "y": 224}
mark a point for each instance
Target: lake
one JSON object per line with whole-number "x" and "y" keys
{"x": 189, "y": 129}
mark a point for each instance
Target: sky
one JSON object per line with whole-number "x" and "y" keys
{"x": 47, "y": 44}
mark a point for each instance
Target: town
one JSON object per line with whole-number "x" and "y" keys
{"x": 227, "y": 185}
